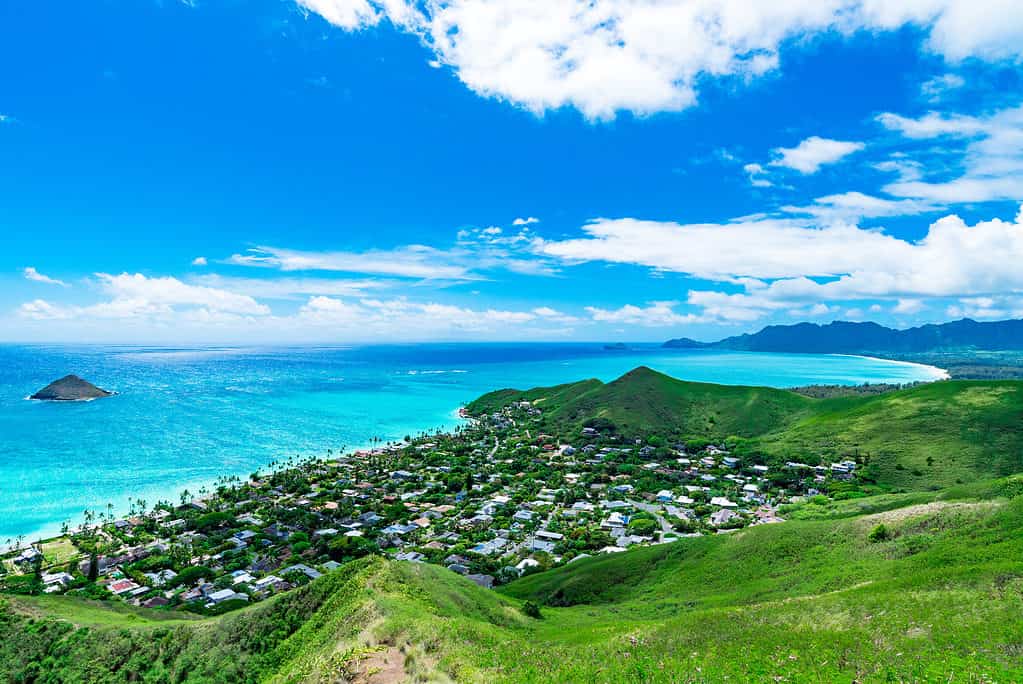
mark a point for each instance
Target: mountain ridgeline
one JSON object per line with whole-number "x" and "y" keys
{"x": 926, "y": 437}
{"x": 844, "y": 337}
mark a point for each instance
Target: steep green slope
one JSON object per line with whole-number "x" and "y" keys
{"x": 940, "y": 598}
{"x": 925, "y": 437}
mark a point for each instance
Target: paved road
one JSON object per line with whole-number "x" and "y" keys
{"x": 654, "y": 510}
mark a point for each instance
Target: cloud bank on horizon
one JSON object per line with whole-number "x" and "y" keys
{"x": 908, "y": 212}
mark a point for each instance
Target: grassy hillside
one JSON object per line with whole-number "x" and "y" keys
{"x": 939, "y": 598}
{"x": 644, "y": 401}
{"x": 929, "y": 436}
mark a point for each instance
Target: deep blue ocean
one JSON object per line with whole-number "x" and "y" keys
{"x": 184, "y": 417}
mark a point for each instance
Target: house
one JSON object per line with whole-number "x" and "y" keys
{"x": 121, "y": 587}
{"x": 730, "y": 462}
{"x": 410, "y": 556}
{"x": 304, "y": 569}
{"x": 161, "y": 578}
{"x": 527, "y": 563}
{"x": 723, "y": 502}
{"x": 57, "y": 581}
{"x": 722, "y": 517}
{"x": 489, "y": 548}
{"x": 225, "y": 595}
{"x": 549, "y": 536}
{"x": 664, "y": 496}
{"x": 485, "y": 581}
{"x": 523, "y": 516}
{"x": 28, "y": 556}
{"x": 540, "y": 545}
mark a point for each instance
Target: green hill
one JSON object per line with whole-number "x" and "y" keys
{"x": 938, "y": 597}
{"x": 644, "y": 401}
{"x": 929, "y": 436}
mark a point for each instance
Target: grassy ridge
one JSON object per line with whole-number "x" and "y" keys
{"x": 644, "y": 401}
{"x": 930, "y": 436}
{"x": 805, "y": 601}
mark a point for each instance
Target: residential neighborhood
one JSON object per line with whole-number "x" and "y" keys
{"x": 493, "y": 500}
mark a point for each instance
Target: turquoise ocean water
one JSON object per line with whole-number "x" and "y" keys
{"x": 183, "y": 417}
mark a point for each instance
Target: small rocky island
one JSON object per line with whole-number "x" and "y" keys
{"x": 70, "y": 388}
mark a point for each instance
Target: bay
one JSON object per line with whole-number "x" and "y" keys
{"x": 183, "y": 417}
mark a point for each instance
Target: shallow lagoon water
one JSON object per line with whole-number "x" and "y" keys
{"x": 184, "y": 417}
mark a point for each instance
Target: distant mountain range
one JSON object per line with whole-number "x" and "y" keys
{"x": 843, "y": 337}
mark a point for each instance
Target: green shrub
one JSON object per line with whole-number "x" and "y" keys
{"x": 880, "y": 533}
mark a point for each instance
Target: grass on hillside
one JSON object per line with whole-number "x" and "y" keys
{"x": 938, "y": 598}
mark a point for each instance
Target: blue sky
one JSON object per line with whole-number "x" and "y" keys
{"x": 371, "y": 170}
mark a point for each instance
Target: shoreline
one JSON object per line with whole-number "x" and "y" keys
{"x": 938, "y": 373}
{"x": 452, "y": 419}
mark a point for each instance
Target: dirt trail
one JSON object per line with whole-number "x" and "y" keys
{"x": 386, "y": 666}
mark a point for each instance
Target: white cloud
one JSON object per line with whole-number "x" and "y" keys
{"x": 933, "y": 89}
{"x": 199, "y": 261}
{"x": 850, "y": 207}
{"x": 294, "y": 288}
{"x": 136, "y": 296}
{"x": 413, "y": 261}
{"x": 759, "y": 248}
{"x": 32, "y": 274}
{"x": 427, "y": 320}
{"x": 808, "y": 156}
{"x": 992, "y": 162}
{"x": 653, "y": 315}
{"x": 171, "y": 292}
{"x": 908, "y": 306}
{"x": 525, "y": 221}
{"x": 784, "y": 265}
{"x": 756, "y": 172}
{"x": 645, "y": 56}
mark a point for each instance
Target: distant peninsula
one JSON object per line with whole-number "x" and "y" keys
{"x": 844, "y": 337}
{"x": 70, "y": 388}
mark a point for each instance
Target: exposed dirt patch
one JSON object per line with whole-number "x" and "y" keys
{"x": 382, "y": 666}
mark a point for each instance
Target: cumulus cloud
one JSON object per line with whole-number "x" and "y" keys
{"x": 525, "y": 221}
{"x": 758, "y": 248}
{"x": 779, "y": 265}
{"x": 992, "y": 162}
{"x": 136, "y": 296}
{"x": 32, "y": 274}
{"x": 645, "y": 56}
{"x": 652, "y": 315}
{"x": 814, "y": 152}
{"x": 199, "y": 261}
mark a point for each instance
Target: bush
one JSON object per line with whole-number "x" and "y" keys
{"x": 530, "y": 609}
{"x": 879, "y": 534}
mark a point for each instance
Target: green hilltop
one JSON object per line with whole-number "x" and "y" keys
{"x": 925, "y": 437}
